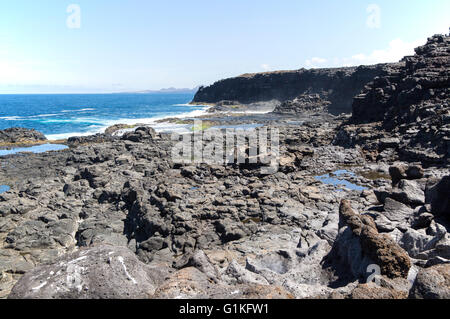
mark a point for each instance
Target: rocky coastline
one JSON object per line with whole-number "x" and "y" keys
{"x": 357, "y": 209}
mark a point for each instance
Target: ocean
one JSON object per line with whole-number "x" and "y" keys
{"x": 60, "y": 116}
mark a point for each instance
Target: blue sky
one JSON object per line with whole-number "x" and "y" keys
{"x": 143, "y": 44}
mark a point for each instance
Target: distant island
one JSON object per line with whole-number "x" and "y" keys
{"x": 170, "y": 90}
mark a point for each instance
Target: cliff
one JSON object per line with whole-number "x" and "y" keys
{"x": 335, "y": 86}
{"x": 414, "y": 90}
{"x": 407, "y": 109}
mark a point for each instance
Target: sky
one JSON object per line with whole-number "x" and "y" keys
{"x": 101, "y": 46}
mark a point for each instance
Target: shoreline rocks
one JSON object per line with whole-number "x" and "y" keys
{"x": 17, "y": 136}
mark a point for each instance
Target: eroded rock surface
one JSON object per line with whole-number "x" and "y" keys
{"x": 102, "y": 272}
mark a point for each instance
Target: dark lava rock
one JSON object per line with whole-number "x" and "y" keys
{"x": 438, "y": 196}
{"x": 338, "y": 85}
{"x": 20, "y": 135}
{"x": 81, "y": 140}
{"x": 411, "y": 102}
{"x": 302, "y": 104}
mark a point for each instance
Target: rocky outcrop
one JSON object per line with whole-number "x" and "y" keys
{"x": 407, "y": 110}
{"x": 335, "y": 86}
{"x": 360, "y": 245}
{"x": 20, "y": 135}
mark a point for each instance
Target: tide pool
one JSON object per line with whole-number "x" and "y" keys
{"x": 34, "y": 149}
{"x": 333, "y": 179}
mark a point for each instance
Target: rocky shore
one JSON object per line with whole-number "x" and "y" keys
{"x": 17, "y": 136}
{"x": 358, "y": 207}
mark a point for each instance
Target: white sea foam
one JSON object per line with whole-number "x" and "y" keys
{"x": 42, "y": 115}
{"x": 10, "y": 118}
{"x": 250, "y": 112}
{"x": 103, "y": 124}
{"x": 79, "y": 110}
{"x": 64, "y": 136}
{"x": 187, "y": 104}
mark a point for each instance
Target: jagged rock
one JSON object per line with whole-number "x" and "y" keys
{"x": 415, "y": 242}
{"x": 143, "y": 133}
{"x": 393, "y": 215}
{"x": 102, "y": 272}
{"x": 414, "y": 172}
{"x": 409, "y": 193}
{"x": 83, "y": 140}
{"x": 432, "y": 283}
{"x": 410, "y": 101}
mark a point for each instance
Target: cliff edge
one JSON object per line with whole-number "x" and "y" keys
{"x": 335, "y": 87}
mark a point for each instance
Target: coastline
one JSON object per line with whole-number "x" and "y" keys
{"x": 348, "y": 206}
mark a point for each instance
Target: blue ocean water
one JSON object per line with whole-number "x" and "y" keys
{"x": 60, "y": 116}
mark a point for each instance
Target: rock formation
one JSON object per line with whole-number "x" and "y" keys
{"x": 406, "y": 110}
{"x": 19, "y": 135}
{"x": 335, "y": 86}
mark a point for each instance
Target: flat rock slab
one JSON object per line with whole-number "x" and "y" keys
{"x": 103, "y": 272}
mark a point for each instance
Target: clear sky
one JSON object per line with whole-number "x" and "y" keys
{"x": 49, "y": 46}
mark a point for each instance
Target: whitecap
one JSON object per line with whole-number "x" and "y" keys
{"x": 11, "y": 118}
{"x": 43, "y": 115}
{"x": 78, "y": 110}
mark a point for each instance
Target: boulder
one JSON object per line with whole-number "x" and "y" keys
{"x": 438, "y": 196}
{"x": 432, "y": 283}
{"x": 369, "y": 246}
{"x": 102, "y": 272}
{"x": 409, "y": 193}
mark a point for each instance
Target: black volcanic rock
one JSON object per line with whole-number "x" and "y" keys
{"x": 409, "y": 107}
{"x": 20, "y": 135}
{"x": 302, "y": 104}
{"x": 416, "y": 89}
{"x": 338, "y": 86}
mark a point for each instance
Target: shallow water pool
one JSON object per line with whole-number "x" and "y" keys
{"x": 34, "y": 149}
{"x": 333, "y": 179}
{"x": 4, "y": 188}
